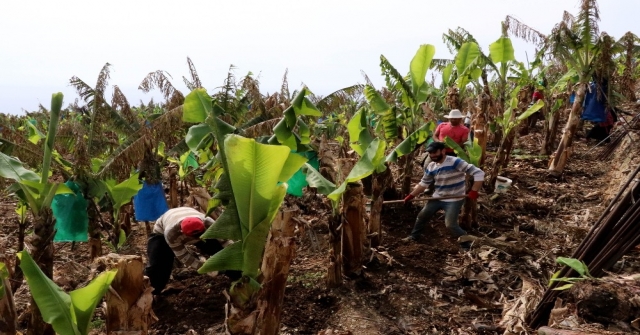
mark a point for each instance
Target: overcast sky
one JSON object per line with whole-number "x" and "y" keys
{"x": 325, "y": 44}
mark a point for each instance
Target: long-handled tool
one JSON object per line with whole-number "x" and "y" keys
{"x": 425, "y": 199}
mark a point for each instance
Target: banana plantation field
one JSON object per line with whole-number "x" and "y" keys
{"x": 498, "y": 197}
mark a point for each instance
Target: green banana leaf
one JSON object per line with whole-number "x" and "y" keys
{"x": 462, "y": 154}
{"x": 371, "y": 161}
{"x": 387, "y": 114}
{"x": 197, "y": 106}
{"x": 11, "y": 168}
{"x": 198, "y": 136}
{"x": 501, "y": 51}
{"x": 254, "y": 172}
{"x": 471, "y": 153}
{"x": 284, "y": 130}
{"x": 35, "y": 135}
{"x": 419, "y": 66}
{"x": 446, "y": 74}
{"x": 303, "y": 106}
{"x": 465, "y": 60}
{"x": 315, "y": 179}
{"x": 411, "y": 142}
{"x": 359, "y": 132}
{"x": 68, "y": 314}
{"x": 123, "y": 192}
{"x": 532, "y": 109}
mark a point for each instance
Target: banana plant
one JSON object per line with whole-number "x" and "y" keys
{"x": 119, "y": 195}
{"x": 508, "y": 122}
{"x": 67, "y": 313}
{"x": 404, "y": 118}
{"x": 252, "y": 187}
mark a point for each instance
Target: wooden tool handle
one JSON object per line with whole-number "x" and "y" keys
{"x": 425, "y": 199}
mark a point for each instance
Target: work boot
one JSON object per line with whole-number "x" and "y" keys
{"x": 408, "y": 239}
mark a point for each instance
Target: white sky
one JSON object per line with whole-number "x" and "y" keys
{"x": 324, "y": 44}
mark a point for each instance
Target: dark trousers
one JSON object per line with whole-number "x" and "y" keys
{"x": 161, "y": 259}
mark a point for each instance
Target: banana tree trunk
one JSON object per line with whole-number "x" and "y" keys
{"x": 565, "y": 148}
{"x": 469, "y": 216}
{"x": 334, "y": 270}
{"x": 17, "y": 276}
{"x": 278, "y": 254}
{"x": 261, "y": 315}
{"x": 508, "y": 147}
{"x": 500, "y": 159}
{"x": 173, "y": 190}
{"x": 129, "y": 303}
{"x": 406, "y": 172}
{"x": 353, "y": 231}
{"x": 380, "y": 184}
{"x": 8, "y": 313}
{"x": 43, "y": 255}
{"x": 486, "y": 112}
{"x": 550, "y": 134}
{"x": 95, "y": 243}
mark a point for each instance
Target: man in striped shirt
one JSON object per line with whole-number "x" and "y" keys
{"x": 171, "y": 233}
{"x": 448, "y": 175}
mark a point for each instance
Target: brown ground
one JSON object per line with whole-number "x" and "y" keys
{"x": 428, "y": 287}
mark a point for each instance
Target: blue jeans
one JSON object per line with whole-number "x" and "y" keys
{"x": 451, "y": 212}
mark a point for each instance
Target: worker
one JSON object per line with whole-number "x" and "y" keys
{"x": 448, "y": 176}
{"x": 171, "y": 233}
{"x": 453, "y": 129}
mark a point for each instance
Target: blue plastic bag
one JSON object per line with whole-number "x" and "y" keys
{"x": 149, "y": 204}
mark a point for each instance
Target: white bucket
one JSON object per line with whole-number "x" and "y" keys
{"x": 502, "y": 184}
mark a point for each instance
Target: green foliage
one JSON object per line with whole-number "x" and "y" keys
{"x": 122, "y": 238}
{"x": 35, "y": 135}
{"x": 467, "y": 63}
{"x": 501, "y": 51}
{"x": 371, "y": 161}
{"x": 419, "y": 65}
{"x": 577, "y": 265}
{"x": 284, "y": 130}
{"x": 251, "y": 183}
{"x": 471, "y": 153}
{"x": 67, "y": 313}
{"x": 315, "y": 179}
{"x": 11, "y": 168}
{"x": 381, "y": 108}
{"x": 411, "y": 142}
{"x": 34, "y": 189}
{"x": 254, "y": 171}
{"x": 121, "y": 194}
{"x": 359, "y": 132}
{"x": 508, "y": 123}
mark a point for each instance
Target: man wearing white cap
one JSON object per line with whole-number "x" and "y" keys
{"x": 453, "y": 129}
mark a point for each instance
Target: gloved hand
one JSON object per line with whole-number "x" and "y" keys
{"x": 473, "y": 195}
{"x": 408, "y": 198}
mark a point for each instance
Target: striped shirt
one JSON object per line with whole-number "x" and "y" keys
{"x": 169, "y": 225}
{"x": 449, "y": 177}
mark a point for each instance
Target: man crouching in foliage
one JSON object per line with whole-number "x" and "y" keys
{"x": 172, "y": 232}
{"x": 448, "y": 175}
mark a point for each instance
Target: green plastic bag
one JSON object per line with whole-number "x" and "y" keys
{"x": 299, "y": 180}
{"x": 70, "y": 211}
